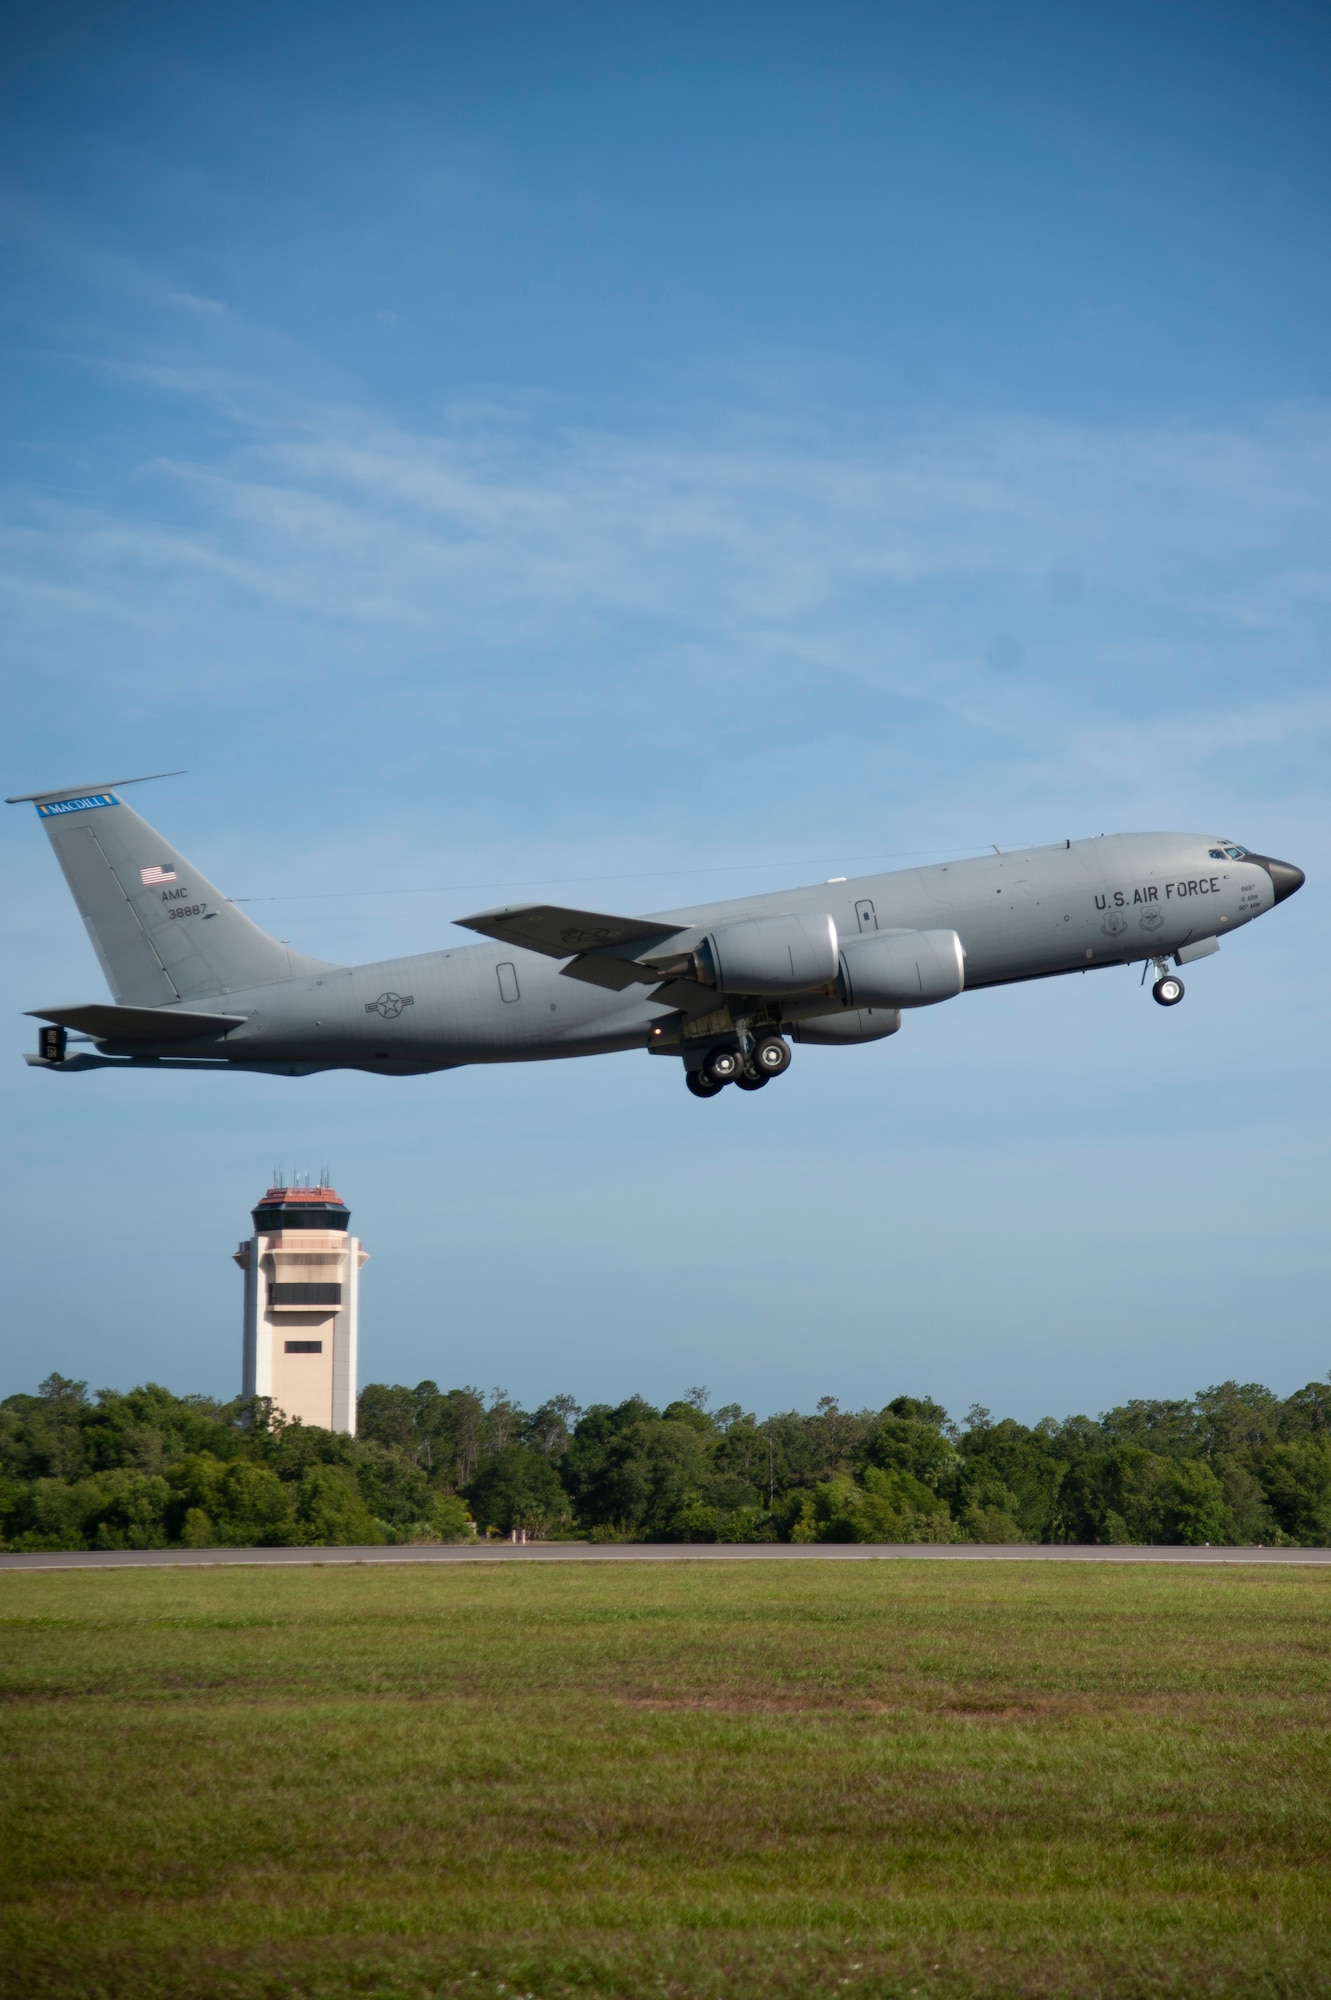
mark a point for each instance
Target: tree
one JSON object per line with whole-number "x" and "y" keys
{"x": 1005, "y": 1470}
{"x": 518, "y": 1488}
{"x": 147, "y": 1467}
{"x": 387, "y": 1415}
{"x": 1296, "y": 1479}
{"x": 883, "y": 1507}
{"x": 393, "y": 1484}
{"x": 1234, "y": 1418}
{"x": 905, "y": 1442}
{"x": 330, "y": 1510}
{"x": 1129, "y": 1493}
{"x": 1307, "y": 1413}
{"x": 550, "y": 1428}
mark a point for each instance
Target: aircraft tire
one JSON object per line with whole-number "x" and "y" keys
{"x": 1167, "y": 992}
{"x": 723, "y": 1065}
{"x": 753, "y": 1079}
{"x": 702, "y": 1085}
{"x": 771, "y": 1056}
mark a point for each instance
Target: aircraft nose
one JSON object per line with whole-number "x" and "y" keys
{"x": 1285, "y": 877}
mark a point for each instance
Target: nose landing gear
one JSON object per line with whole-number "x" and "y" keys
{"x": 1168, "y": 989}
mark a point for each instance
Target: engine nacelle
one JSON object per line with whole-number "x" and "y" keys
{"x": 771, "y": 955}
{"x": 855, "y": 1024}
{"x": 902, "y": 968}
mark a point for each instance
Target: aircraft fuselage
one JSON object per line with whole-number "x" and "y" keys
{"x": 1019, "y": 916}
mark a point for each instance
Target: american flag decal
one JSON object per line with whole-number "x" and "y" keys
{"x": 150, "y": 877}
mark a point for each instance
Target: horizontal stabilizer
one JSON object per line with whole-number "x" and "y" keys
{"x": 85, "y": 791}
{"x": 138, "y": 1024}
{"x": 561, "y": 933}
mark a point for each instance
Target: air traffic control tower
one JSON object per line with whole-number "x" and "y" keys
{"x": 302, "y": 1286}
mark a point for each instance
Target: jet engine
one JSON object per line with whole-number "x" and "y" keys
{"x": 856, "y": 1024}
{"x": 770, "y": 955}
{"x": 902, "y": 968}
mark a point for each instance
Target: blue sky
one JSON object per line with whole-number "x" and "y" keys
{"x": 632, "y": 456}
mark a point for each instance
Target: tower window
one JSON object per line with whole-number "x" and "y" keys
{"x": 305, "y": 1295}
{"x": 304, "y": 1347}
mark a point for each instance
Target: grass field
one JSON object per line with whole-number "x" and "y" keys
{"x": 775, "y": 1780}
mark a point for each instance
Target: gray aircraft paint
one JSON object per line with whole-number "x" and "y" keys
{"x": 174, "y": 950}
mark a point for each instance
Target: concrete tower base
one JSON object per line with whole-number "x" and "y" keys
{"x": 302, "y": 1294}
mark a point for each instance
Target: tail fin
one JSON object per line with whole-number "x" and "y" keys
{"x": 162, "y": 932}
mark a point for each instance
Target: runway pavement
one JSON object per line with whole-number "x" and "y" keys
{"x": 654, "y": 1552}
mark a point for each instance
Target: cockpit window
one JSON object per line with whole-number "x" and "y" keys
{"x": 1227, "y": 852}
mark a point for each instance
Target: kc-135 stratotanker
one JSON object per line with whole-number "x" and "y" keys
{"x": 719, "y": 986}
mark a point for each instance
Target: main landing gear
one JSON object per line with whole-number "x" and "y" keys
{"x": 701, "y": 1084}
{"x": 766, "y": 1058}
{"x": 1168, "y": 989}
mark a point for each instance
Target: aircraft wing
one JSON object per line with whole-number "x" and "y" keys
{"x": 138, "y": 1024}
{"x": 560, "y": 933}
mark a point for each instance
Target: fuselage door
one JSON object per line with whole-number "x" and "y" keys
{"x": 867, "y": 918}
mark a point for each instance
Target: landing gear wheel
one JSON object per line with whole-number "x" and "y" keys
{"x": 724, "y": 1065}
{"x": 771, "y": 1056}
{"x": 753, "y": 1079}
{"x": 698, "y": 1081}
{"x": 1167, "y": 992}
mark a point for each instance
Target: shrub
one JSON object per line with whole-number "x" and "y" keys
{"x": 330, "y": 1510}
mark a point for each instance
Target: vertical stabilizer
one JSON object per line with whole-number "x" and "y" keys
{"x": 162, "y": 931}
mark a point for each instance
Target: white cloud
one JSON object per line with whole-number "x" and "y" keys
{"x": 586, "y": 570}
{"x": 191, "y": 302}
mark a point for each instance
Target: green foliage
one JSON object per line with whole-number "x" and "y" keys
{"x": 249, "y": 1506}
{"x": 518, "y": 1488}
{"x": 329, "y": 1509}
{"x": 449, "y": 1433}
{"x": 119, "y": 1509}
{"x": 1157, "y": 1499}
{"x": 668, "y": 1476}
{"x": 448, "y": 1519}
{"x": 148, "y": 1469}
{"x": 1296, "y": 1481}
{"x": 881, "y": 1507}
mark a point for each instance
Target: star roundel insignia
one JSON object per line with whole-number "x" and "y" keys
{"x": 389, "y": 1005}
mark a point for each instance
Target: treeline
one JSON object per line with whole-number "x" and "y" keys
{"x": 1234, "y": 1464}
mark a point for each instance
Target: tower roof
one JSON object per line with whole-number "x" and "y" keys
{"x": 300, "y": 1208}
